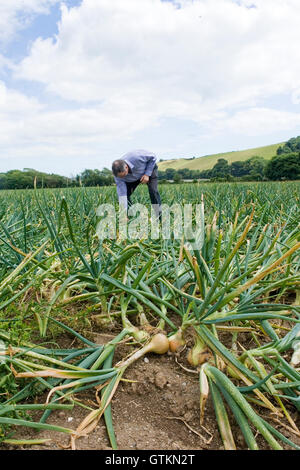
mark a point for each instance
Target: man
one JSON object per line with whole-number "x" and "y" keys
{"x": 138, "y": 166}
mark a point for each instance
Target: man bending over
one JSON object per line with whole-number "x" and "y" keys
{"x": 138, "y": 166}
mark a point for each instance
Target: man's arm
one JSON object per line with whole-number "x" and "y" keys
{"x": 121, "y": 191}
{"x": 151, "y": 160}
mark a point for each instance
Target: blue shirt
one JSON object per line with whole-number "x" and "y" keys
{"x": 140, "y": 162}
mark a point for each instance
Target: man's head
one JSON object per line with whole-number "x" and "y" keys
{"x": 120, "y": 168}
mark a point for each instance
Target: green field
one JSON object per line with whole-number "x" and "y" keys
{"x": 208, "y": 161}
{"x": 229, "y": 300}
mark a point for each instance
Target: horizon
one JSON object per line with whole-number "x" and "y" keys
{"x": 84, "y": 82}
{"x": 168, "y": 159}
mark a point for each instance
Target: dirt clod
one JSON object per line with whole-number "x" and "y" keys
{"x": 160, "y": 380}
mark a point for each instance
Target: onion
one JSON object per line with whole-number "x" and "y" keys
{"x": 176, "y": 340}
{"x": 295, "y": 360}
{"x": 198, "y": 354}
{"x": 159, "y": 344}
{"x": 140, "y": 335}
{"x": 204, "y": 391}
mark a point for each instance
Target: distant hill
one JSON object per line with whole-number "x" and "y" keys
{"x": 208, "y": 161}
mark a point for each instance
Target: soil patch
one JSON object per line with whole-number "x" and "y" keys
{"x": 156, "y": 407}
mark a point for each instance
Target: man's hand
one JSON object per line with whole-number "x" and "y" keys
{"x": 144, "y": 179}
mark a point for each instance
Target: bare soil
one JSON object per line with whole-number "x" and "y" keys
{"x": 155, "y": 408}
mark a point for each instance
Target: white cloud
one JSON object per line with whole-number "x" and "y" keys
{"x": 128, "y": 65}
{"x": 258, "y": 121}
{"x": 15, "y": 109}
{"x": 15, "y": 103}
{"x": 207, "y": 55}
{"x": 29, "y": 128}
{"x": 17, "y": 14}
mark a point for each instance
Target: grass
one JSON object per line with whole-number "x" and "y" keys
{"x": 208, "y": 161}
{"x": 242, "y": 276}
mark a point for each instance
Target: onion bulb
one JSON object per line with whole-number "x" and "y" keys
{"x": 198, "y": 354}
{"x": 296, "y": 355}
{"x": 159, "y": 344}
{"x": 176, "y": 340}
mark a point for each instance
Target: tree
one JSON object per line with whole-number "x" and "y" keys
{"x": 177, "y": 178}
{"x": 3, "y": 181}
{"x": 170, "y": 173}
{"x": 17, "y": 179}
{"x": 221, "y": 169}
{"x": 96, "y": 177}
{"x": 185, "y": 173}
{"x": 239, "y": 168}
{"x": 292, "y": 145}
{"x": 256, "y": 165}
{"x": 284, "y": 166}
{"x": 205, "y": 174}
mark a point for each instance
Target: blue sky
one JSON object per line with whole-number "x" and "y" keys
{"x": 83, "y": 81}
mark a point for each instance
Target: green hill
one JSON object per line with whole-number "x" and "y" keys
{"x": 208, "y": 161}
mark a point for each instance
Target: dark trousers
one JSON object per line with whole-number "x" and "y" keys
{"x": 152, "y": 188}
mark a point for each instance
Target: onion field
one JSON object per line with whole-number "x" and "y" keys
{"x": 228, "y": 308}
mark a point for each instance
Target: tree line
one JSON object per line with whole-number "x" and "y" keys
{"x": 291, "y": 146}
{"x": 28, "y": 178}
{"x": 283, "y": 166}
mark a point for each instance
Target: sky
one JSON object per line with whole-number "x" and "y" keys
{"x": 82, "y": 82}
